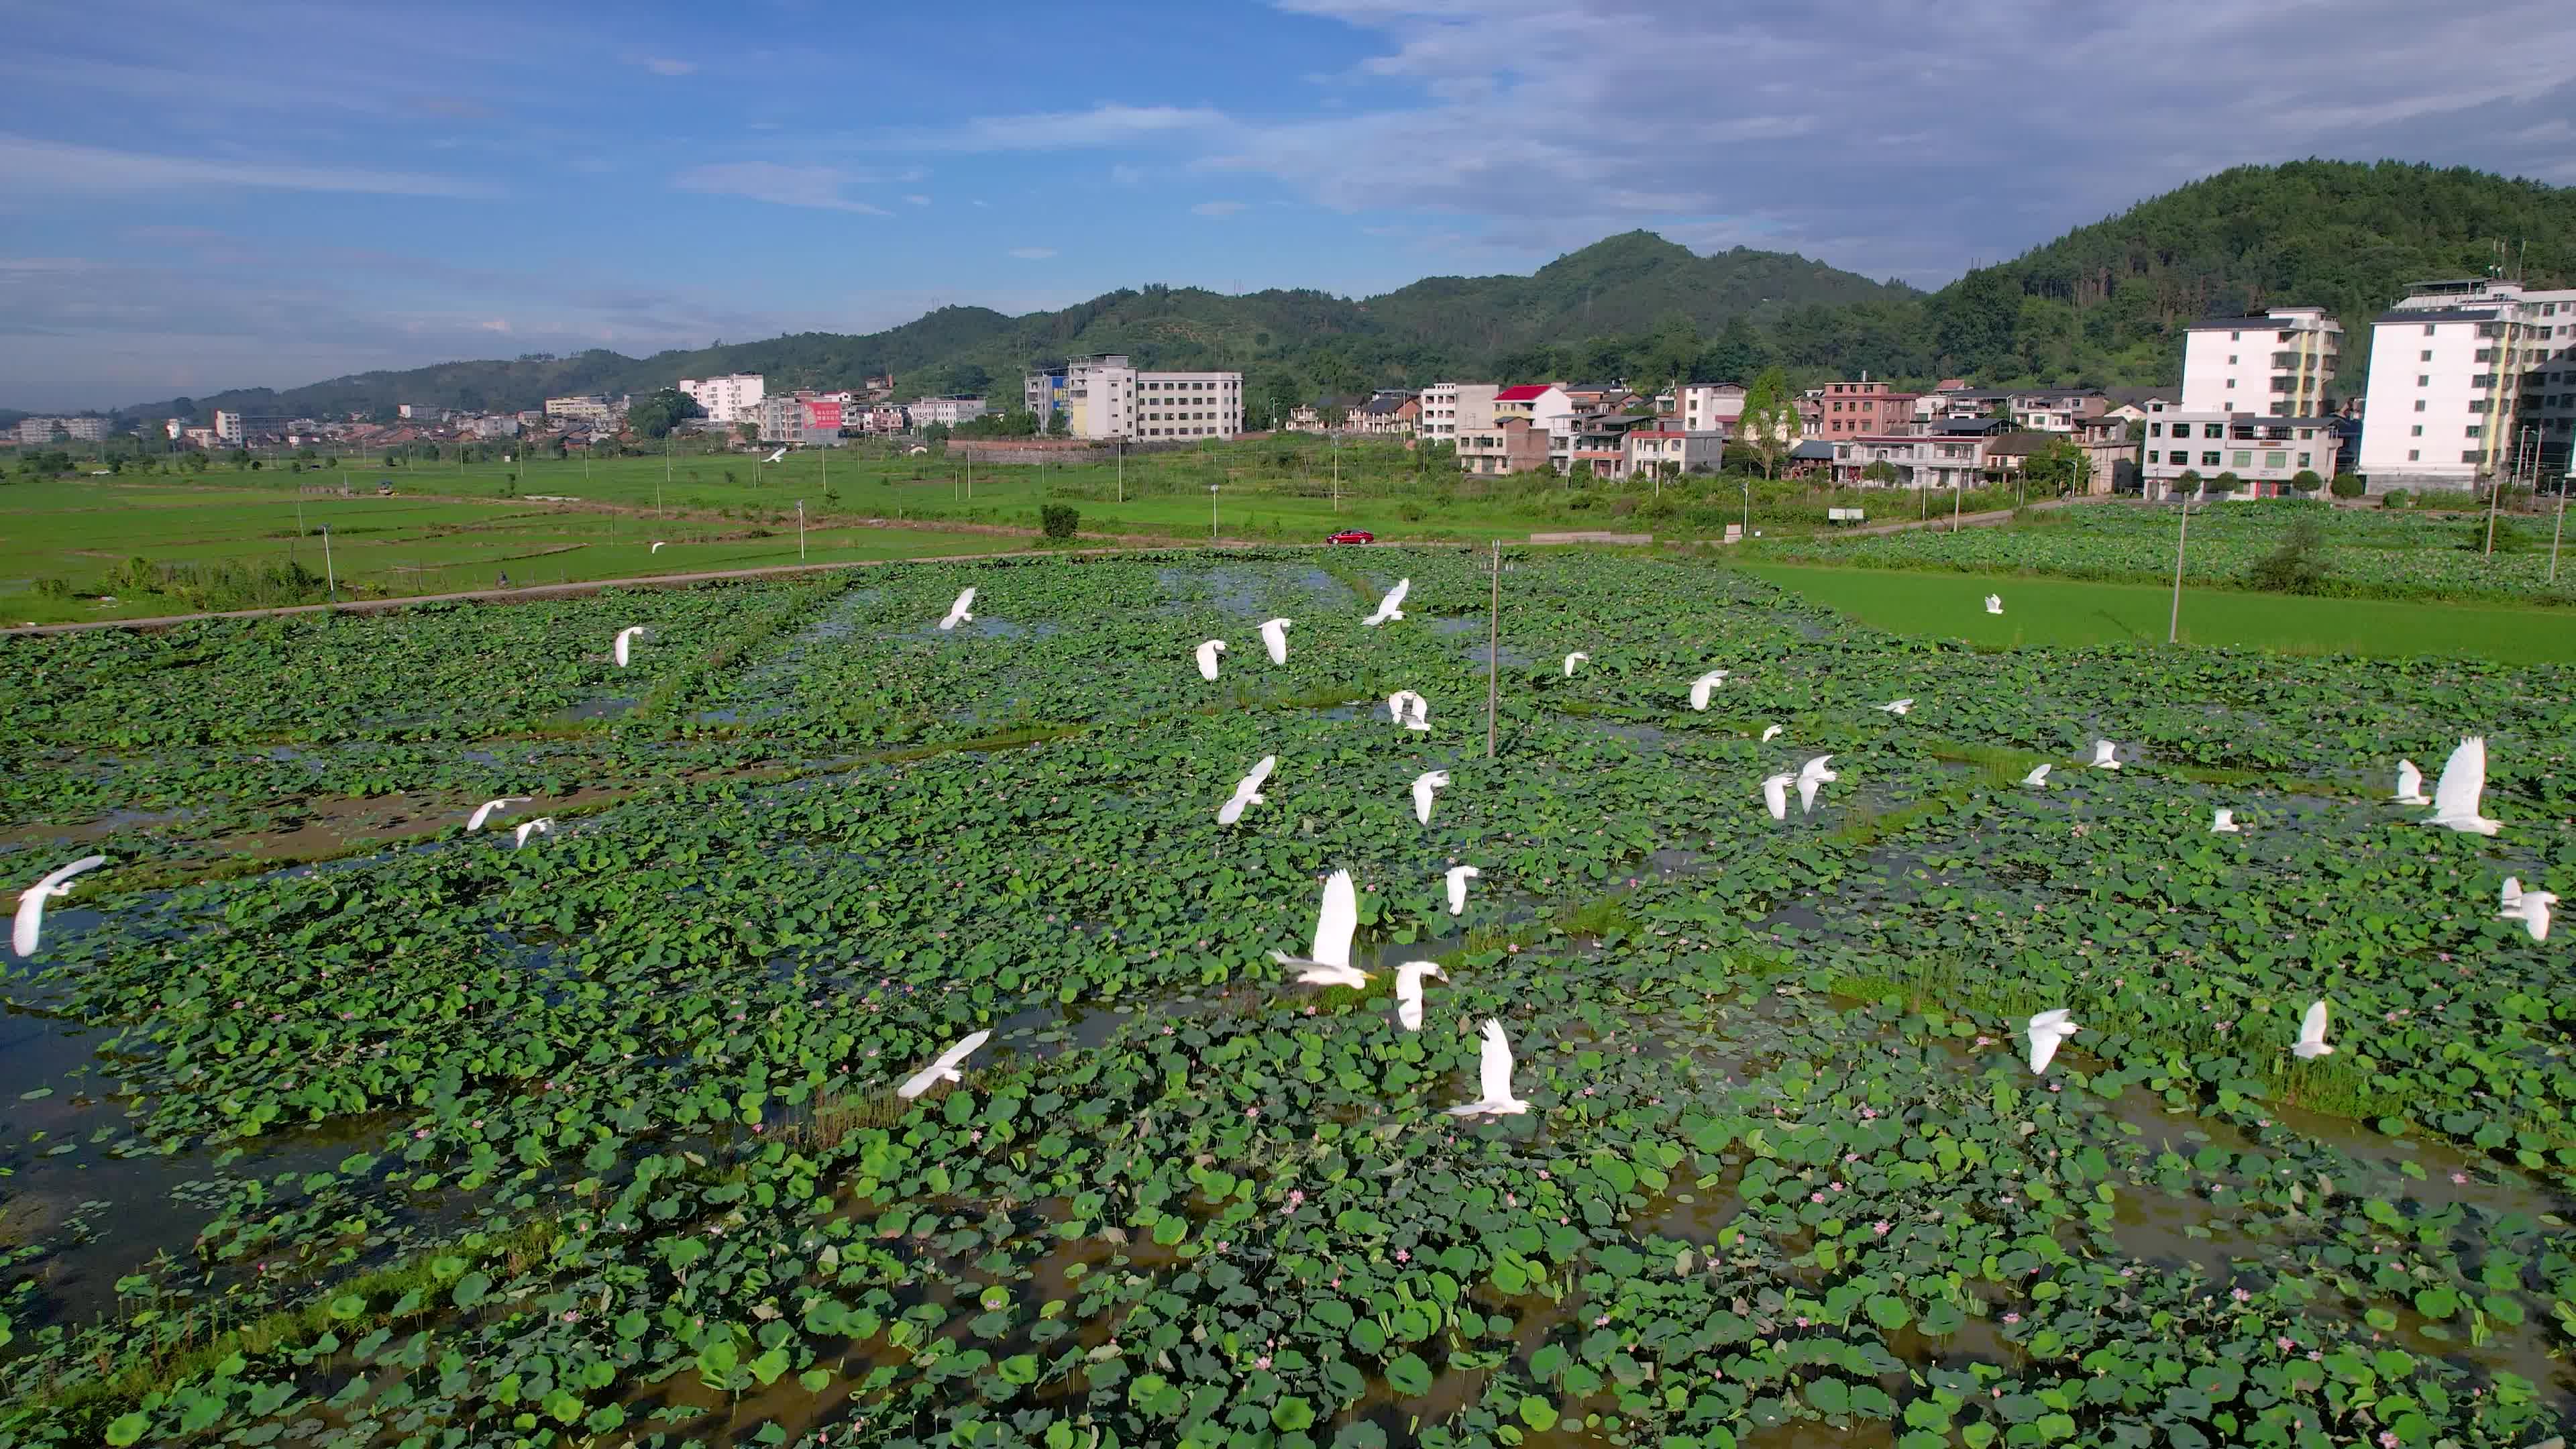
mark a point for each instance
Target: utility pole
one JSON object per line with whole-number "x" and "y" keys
{"x": 1493, "y": 645}
{"x": 2561, "y": 530}
{"x": 2173, "y": 625}
{"x": 2495, "y": 497}
{"x": 1211, "y": 513}
{"x": 1337, "y": 474}
{"x": 800, "y": 530}
{"x": 1958, "y": 491}
{"x": 1122, "y": 470}
{"x": 330, "y": 575}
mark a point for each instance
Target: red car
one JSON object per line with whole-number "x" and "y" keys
{"x": 1353, "y": 535}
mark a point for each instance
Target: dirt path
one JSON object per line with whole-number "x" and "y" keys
{"x": 592, "y": 586}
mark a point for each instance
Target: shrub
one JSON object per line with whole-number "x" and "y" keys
{"x": 2347, "y": 485}
{"x": 2306, "y": 482}
{"x": 1059, "y": 520}
{"x": 2298, "y": 566}
{"x": 1579, "y": 502}
{"x": 2393, "y": 498}
{"x": 2225, "y": 483}
{"x": 53, "y": 588}
{"x": 1411, "y": 512}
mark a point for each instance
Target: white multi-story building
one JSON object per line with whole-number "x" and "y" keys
{"x": 1450, "y": 407}
{"x": 1105, "y": 397}
{"x": 2264, "y": 453}
{"x": 1707, "y": 407}
{"x": 726, "y": 400}
{"x": 2276, "y": 365}
{"x": 946, "y": 411}
{"x": 596, "y": 411}
{"x": 37, "y": 431}
{"x": 2452, "y": 367}
{"x": 228, "y": 428}
{"x": 2548, "y": 413}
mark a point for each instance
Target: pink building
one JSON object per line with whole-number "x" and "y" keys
{"x": 1856, "y": 409}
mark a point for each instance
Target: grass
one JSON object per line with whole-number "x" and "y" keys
{"x": 2072, "y": 612}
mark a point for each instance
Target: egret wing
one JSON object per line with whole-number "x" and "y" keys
{"x": 2464, "y": 779}
{"x": 1494, "y": 1070}
{"x": 2410, "y": 780}
{"x": 1338, "y": 921}
{"x": 2312, "y": 1027}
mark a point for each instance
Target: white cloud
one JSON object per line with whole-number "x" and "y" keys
{"x": 664, "y": 65}
{"x": 917, "y": 199}
{"x": 1033, "y": 254}
{"x": 1218, "y": 209}
{"x": 810, "y": 186}
{"x": 62, "y": 168}
{"x": 1106, "y": 124}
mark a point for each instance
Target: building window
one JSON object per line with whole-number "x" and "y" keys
{"x": 2209, "y": 460}
{"x": 2423, "y": 381}
{"x": 2477, "y": 430}
{"x": 2419, "y": 405}
{"x": 2213, "y": 430}
{"x": 2303, "y": 460}
{"x": 2412, "y": 455}
{"x": 2416, "y": 431}
{"x": 2277, "y": 460}
{"x": 2428, "y": 329}
{"x": 2244, "y": 458}
{"x": 2427, "y": 357}
{"x": 2151, "y": 455}
{"x": 2472, "y": 455}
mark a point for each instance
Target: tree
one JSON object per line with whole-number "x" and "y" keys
{"x": 1881, "y": 471}
{"x": 1333, "y": 415}
{"x": 2347, "y": 485}
{"x": 2225, "y": 483}
{"x": 2298, "y": 566}
{"x": 2187, "y": 482}
{"x": 1671, "y": 351}
{"x": 747, "y": 430}
{"x": 1770, "y": 424}
{"x": 655, "y": 416}
{"x": 1737, "y": 353}
{"x": 2306, "y": 482}
{"x": 2057, "y": 469}
{"x": 1059, "y": 520}
{"x": 935, "y": 433}
{"x": 1058, "y": 425}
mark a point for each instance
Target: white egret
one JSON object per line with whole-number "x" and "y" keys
{"x": 1459, "y": 875}
{"x": 1494, "y": 1070}
{"x": 1408, "y": 991}
{"x": 2048, "y": 1031}
{"x": 1775, "y": 795}
{"x": 1207, "y": 657}
{"x": 489, "y": 808}
{"x": 957, "y": 611}
{"x": 2510, "y": 893}
{"x": 2223, "y": 822}
{"x": 1573, "y": 659}
{"x": 2410, "y": 785}
{"x": 625, "y": 639}
{"x": 2037, "y": 779}
{"x": 1274, "y": 637}
{"x": 1387, "y": 607}
{"x": 1899, "y": 706}
{"x": 1409, "y": 710}
{"x": 1701, "y": 686}
{"x": 1247, "y": 791}
{"x": 1335, "y": 924}
{"x": 2105, "y": 755}
{"x": 2312, "y": 1034}
{"x": 542, "y": 825}
{"x": 944, "y": 1069}
{"x": 31, "y": 902}
{"x": 774, "y": 457}
{"x": 1423, "y": 785}
{"x": 1770, "y": 733}
{"x": 1994, "y": 603}
{"x": 658, "y": 546}
{"x": 2455, "y": 795}
{"x": 2532, "y": 909}
{"x": 1811, "y": 776}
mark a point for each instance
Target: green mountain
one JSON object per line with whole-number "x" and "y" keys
{"x": 1290, "y": 343}
{"x": 2103, "y": 304}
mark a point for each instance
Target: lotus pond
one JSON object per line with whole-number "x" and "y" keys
{"x": 333, "y": 1123}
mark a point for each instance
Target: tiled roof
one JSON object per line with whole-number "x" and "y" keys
{"x": 1524, "y": 393}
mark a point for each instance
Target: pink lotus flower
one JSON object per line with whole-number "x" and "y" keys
{"x": 1881, "y": 1228}
{"x": 1403, "y": 1255}
{"x": 1602, "y": 1322}
{"x": 1815, "y": 1197}
{"x": 1262, "y": 1362}
{"x": 2240, "y": 1295}
{"x": 2012, "y": 1318}
{"x": 1251, "y": 1111}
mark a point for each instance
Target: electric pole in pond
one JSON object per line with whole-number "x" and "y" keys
{"x": 1493, "y": 646}
{"x": 2173, "y": 624}
{"x": 800, "y": 530}
{"x": 330, "y": 575}
{"x": 2560, "y": 531}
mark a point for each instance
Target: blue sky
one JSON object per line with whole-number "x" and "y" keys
{"x": 194, "y": 197}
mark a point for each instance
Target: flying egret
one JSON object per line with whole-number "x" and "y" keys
{"x": 1409, "y": 710}
{"x": 2510, "y": 893}
{"x": 2105, "y": 755}
{"x": 957, "y": 611}
{"x": 1994, "y": 603}
{"x": 1423, "y": 785}
{"x": 489, "y": 808}
{"x": 774, "y": 457}
{"x": 2312, "y": 1034}
{"x": 2223, "y": 822}
{"x": 944, "y": 1069}
{"x": 2455, "y": 795}
{"x": 1408, "y": 991}
{"x": 1459, "y": 875}
{"x": 1387, "y": 607}
{"x": 1701, "y": 686}
{"x": 1247, "y": 791}
{"x": 1274, "y": 637}
{"x": 1811, "y": 776}
{"x": 658, "y": 546}
{"x": 2410, "y": 785}
{"x": 2532, "y": 909}
{"x": 626, "y": 638}
{"x": 1335, "y": 923}
{"x": 1571, "y": 660}
{"x": 1775, "y": 795}
{"x": 1899, "y": 706}
{"x": 1207, "y": 657}
{"x": 542, "y": 825}
{"x": 2048, "y": 1031}
{"x": 1770, "y": 733}
{"x": 1494, "y": 1070}
{"x": 31, "y": 902}
{"x": 2037, "y": 779}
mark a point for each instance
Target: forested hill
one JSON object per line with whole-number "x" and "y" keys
{"x": 1297, "y": 341}
{"x": 2103, "y": 304}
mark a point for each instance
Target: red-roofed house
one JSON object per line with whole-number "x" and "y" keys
{"x": 1544, "y": 404}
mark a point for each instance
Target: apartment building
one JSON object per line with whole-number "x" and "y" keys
{"x": 1513, "y": 445}
{"x": 229, "y": 429}
{"x": 2450, "y": 366}
{"x": 1855, "y": 409}
{"x": 945, "y": 411}
{"x": 2264, "y": 452}
{"x": 38, "y": 431}
{"x": 596, "y": 411}
{"x": 1107, "y": 397}
{"x": 2277, "y": 364}
{"x": 1451, "y": 407}
{"x": 1919, "y": 460}
{"x": 726, "y": 400}
{"x": 1705, "y": 407}
{"x": 1672, "y": 451}
{"x": 1042, "y": 392}
{"x": 2547, "y": 410}
{"x": 2056, "y": 409}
